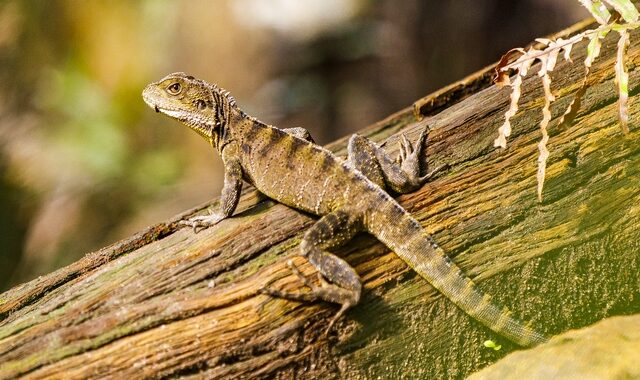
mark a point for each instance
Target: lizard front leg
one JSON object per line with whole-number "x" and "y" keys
{"x": 401, "y": 175}
{"x": 229, "y": 196}
{"x": 344, "y": 286}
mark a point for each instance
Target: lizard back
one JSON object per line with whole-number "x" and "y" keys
{"x": 298, "y": 173}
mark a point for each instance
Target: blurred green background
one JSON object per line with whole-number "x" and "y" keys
{"x": 84, "y": 162}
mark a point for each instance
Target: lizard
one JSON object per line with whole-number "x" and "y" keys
{"x": 349, "y": 196}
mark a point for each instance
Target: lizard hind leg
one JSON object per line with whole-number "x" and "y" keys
{"x": 401, "y": 175}
{"x": 339, "y": 282}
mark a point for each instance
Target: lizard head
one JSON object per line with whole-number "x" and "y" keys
{"x": 203, "y": 107}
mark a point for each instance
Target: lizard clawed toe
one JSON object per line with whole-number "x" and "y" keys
{"x": 433, "y": 173}
{"x": 405, "y": 147}
{"x": 189, "y": 223}
{"x": 335, "y": 318}
{"x": 201, "y": 222}
{"x": 409, "y": 159}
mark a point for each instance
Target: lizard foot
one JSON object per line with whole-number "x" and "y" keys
{"x": 326, "y": 292}
{"x": 201, "y": 222}
{"x": 409, "y": 159}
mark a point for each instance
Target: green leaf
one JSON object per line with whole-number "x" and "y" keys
{"x": 597, "y": 10}
{"x": 492, "y": 344}
{"x": 626, "y": 9}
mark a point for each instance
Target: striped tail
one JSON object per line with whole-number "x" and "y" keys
{"x": 400, "y": 232}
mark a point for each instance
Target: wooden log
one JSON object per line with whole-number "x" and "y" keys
{"x": 171, "y": 303}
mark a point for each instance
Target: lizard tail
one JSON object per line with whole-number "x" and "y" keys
{"x": 403, "y": 234}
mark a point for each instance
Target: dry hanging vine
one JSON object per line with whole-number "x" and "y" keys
{"x": 520, "y": 61}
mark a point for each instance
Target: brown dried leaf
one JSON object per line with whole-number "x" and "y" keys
{"x": 573, "y": 107}
{"x": 593, "y": 50}
{"x": 548, "y": 58}
{"x": 505, "y": 130}
{"x": 501, "y": 74}
{"x": 544, "y": 41}
{"x": 553, "y": 58}
{"x": 622, "y": 80}
{"x": 543, "y": 66}
{"x": 525, "y": 62}
{"x": 554, "y": 47}
{"x": 567, "y": 52}
{"x": 544, "y": 123}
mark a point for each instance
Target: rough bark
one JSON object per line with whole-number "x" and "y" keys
{"x": 171, "y": 303}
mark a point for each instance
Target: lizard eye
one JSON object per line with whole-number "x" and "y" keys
{"x": 174, "y": 89}
{"x": 200, "y": 105}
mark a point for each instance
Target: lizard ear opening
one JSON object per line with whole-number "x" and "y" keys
{"x": 200, "y": 104}
{"x": 174, "y": 88}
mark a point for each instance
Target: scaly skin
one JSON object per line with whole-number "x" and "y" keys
{"x": 349, "y": 196}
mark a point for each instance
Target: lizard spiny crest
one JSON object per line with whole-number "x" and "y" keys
{"x": 204, "y": 107}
